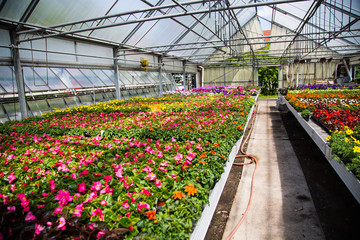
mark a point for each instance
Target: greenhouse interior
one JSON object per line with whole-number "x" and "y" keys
{"x": 179, "y": 119}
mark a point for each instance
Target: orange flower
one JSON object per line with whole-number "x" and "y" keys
{"x": 222, "y": 156}
{"x": 190, "y": 189}
{"x": 151, "y": 214}
{"x": 213, "y": 152}
{"x": 151, "y": 129}
{"x": 202, "y": 162}
{"x": 178, "y": 195}
{"x": 223, "y": 135}
{"x": 216, "y": 144}
{"x": 235, "y": 122}
{"x": 240, "y": 128}
{"x": 203, "y": 155}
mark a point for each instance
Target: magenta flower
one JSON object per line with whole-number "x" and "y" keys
{"x": 173, "y": 139}
{"x": 81, "y": 187}
{"x": 151, "y": 176}
{"x": 142, "y": 205}
{"x": 107, "y": 190}
{"x": 85, "y": 172}
{"x": 11, "y": 209}
{"x": 62, "y": 223}
{"x": 12, "y": 177}
{"x": 178, "y": 157}
{"x": 103, "y": 202}
{"x": 125, "y": 204}
{"x": 38, "y": 228}
{"x": 146, "y": 192}
{"x": 158, "y": 183}
{"x": 164, "y": 164}
{"x": 78, "y": 210}
{"x": 100, "y": 234}
{"x": 160, "y": 154}
{"x": 174, "y": 176}
{"x": 63, "y": 197}
{"x": 96, "y": 186}
{"x": 198, "y": 147}
{"x": 147, "y": 169}
{"x": 30, "y": 217}
{"x": 21, "y": 197}
{"x": 97, "y": 212}
{"x": 57, "y": 211}
{"x": 191, "y": 156}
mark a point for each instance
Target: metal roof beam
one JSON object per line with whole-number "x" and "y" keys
{"x": 59, "y": 32}
{"x": 351, "y": 14}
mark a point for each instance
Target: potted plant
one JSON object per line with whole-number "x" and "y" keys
{"x": 306, "y": 114}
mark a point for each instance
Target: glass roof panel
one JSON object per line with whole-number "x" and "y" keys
{"x": 52, "y": 80}
{"x": 14, "y": 9}
{"x": 33, "y": 81}
{"x": 80, "y": 78}
{"x": 66, "y": 78}
{"x": 52, "y": 12}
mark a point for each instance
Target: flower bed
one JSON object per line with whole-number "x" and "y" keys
{"x": 338, "y": 111}
{"x": 137, "y": 168}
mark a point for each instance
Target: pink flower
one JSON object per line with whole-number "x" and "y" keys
{"x": 198, "y": 147}
{"x": 78, "y": 210}
{"x": 96, "y": 186}
{"x": 81, "y": 187}
{"x": 29, "y": 217}
{"x": 191, "y": 156}
{"x": 125, "y": 204}
{"x": 160, "y": 154}
{"x": 73, "y": 176}
{"x": 44, "y": 194}
{"x": 97, "y": 212}
{"x": 12, "y": 187}
{"x": 151, "y": 176}
{"x": 63, "y": 197}
{"x": 38, "y": 228}
{"x": 21, "y": 197}
{"x": 147, "y": 169}
{"x": 100, "y": 234}
{"x": 151, "y": 161}
{"x": 173, "y": 139}
{"x": 12, "y": 177}
{"x": 143, "y": 205}
{"x": 158, "y": 183}
{"x": 174, "y": 176}
{"x": 164, "y": 164}
{"x": 62, "y": 223}
{"x": 107, "y": 190}
{"x": 57, "y": 211}
{"x": 146, "y": 192}
{"x": 178, "y": 157}
{"x": 85, "y": 172}
{"x": 103, "y": 202}
{"x": 11, "y": 209}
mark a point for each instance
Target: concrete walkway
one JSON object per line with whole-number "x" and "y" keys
{"x": 282, "y": 207}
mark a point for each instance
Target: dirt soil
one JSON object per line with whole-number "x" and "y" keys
{"x": 338, "y": 211}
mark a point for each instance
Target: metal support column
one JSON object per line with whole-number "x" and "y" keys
{"x": 116, "y": 74}
{"x": 160, "y": 77}
{"x": 184, "y": 76}
{"x": 18, "y": 74}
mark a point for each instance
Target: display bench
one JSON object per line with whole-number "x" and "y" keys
{"x": 203, "y": 223}
{"x": 319, "y": 135}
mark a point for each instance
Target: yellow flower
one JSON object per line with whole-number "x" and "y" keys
{"x": 349, "y": 131}
{"x": 356, "y": 149}
{"x": 328, "y": 138}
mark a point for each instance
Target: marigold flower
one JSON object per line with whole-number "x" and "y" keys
{"x": 240, "y": 128}
{"x": 190, "y": 189}
{"x": 203, "y": 155}
{"x": 151, "y": 214}
{"x": 216, "y": 144}
{"x": 178, "y": 195}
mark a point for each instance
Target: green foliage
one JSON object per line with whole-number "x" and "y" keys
{"x": 268, "y": 79}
